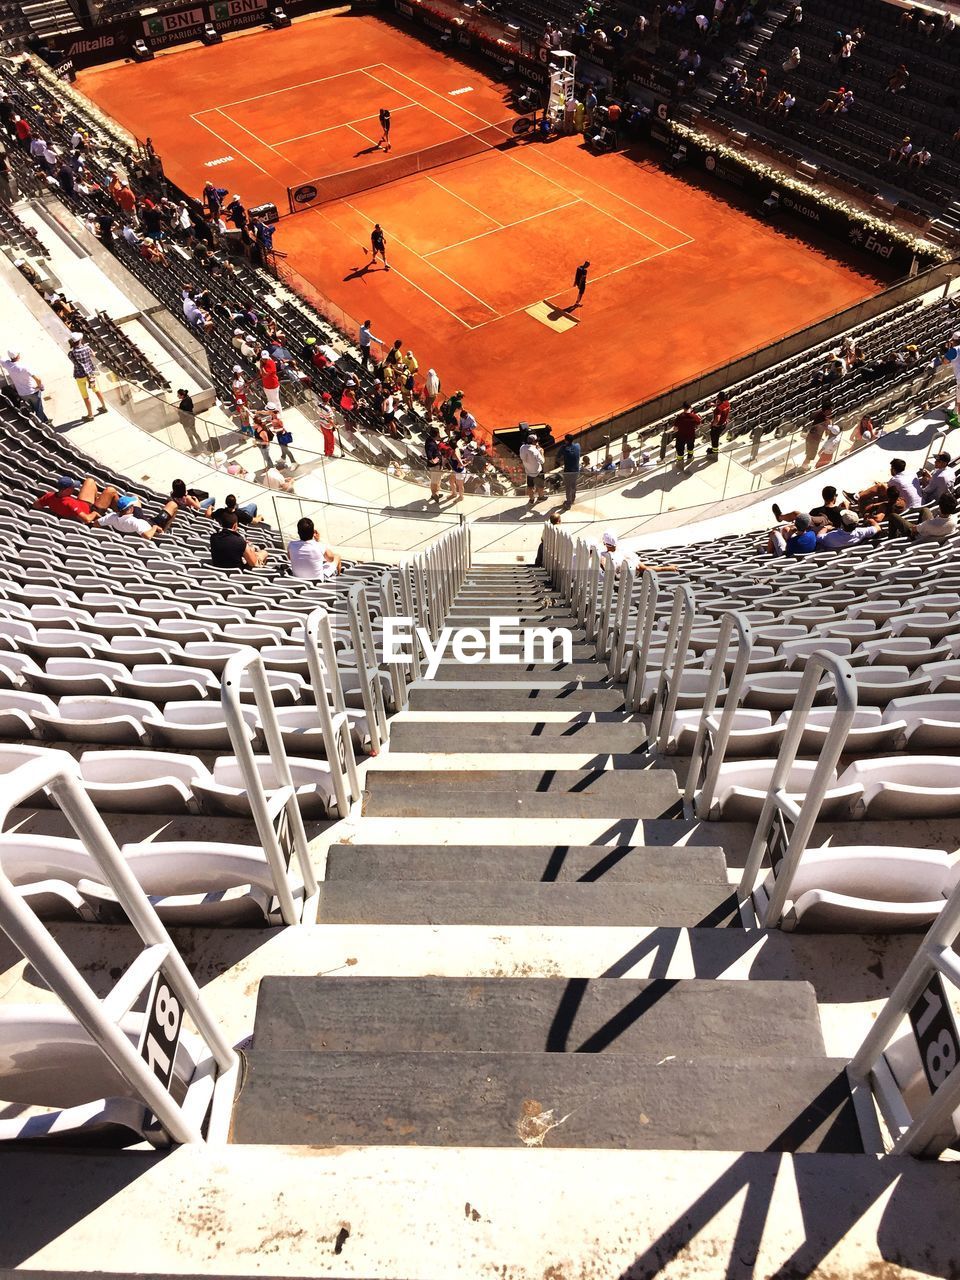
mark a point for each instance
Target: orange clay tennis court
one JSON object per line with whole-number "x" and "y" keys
{"x": 482, "y": 250}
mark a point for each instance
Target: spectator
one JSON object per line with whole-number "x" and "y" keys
{"x": 129, "y": 517}
{"x": 309, "y": 558}
{"x": 431, "y": 391}
{"x": 246, "y": 514}
{"x": 793, "y": 60}
{"x": 229, "y": 549}
{"x": 952, "y": 357}
{"x": 888, "y": 496}
{"x": 934, "y": 484}
{"x": 899, "y": 79}
{"x": 798, "y": 539}
{"x": 191, "y": 499}
{"x": 721, "y": 416}
{"x": 569, "y": 456}
{"x": 826, "y": 516}
{"x": 434, "y": 460}
{"x": 85, "y": 374}
{"x": 901, "y": 151}
{"x": 850, "y": 532}
{"x": 531, "y": 455}
{"x": 457, "y": 467}
{"x": 327, "y": 422}
{"x": 71, "y": 501}
{"x": 930, "y": 527}
{"x": 25, "y": 383}
{"x": 920, "y": 159}
{"x": 269, "y": 380}
{"x": 821, "y": 420}
{"x": 829, "y": 443}
{"x": 685, "y": 433}
{"x": 195, "y": 317}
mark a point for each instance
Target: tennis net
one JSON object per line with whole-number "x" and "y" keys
{"x": 350, "y": 182}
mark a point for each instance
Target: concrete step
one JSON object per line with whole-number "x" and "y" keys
{"x": 534, "y": 737}
{"x": 430, "y": 695}
{"x": 659, "y": 903}
{"x": 586, "y": 864}
{"x": 593, "y": 673}
{"x": 538, "y": 1015}
{"x": 555, "y": 1100}
{"x": 526, "y": 764}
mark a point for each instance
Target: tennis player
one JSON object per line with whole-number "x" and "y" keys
{"x": 385, "y": 126}
{"x": 378, "y": 246}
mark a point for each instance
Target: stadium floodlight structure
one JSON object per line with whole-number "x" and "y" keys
{"x": 563, "y": 67}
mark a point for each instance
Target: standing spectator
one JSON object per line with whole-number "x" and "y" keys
{"x": 531, "y": 455}
{"x": 327, "y": 423}
{"x": 457, "y": 469}
{"x": 365, "y": 339}
{"x": 431, "y": 391}
{"x": 263, "y": 435}
{"x": 236, "y": 213}
{"x": 309, "y": 557}
{"x": 899, "y": 79}
{"x": 213, "y": 197}
{"x": 829, "y": 444}
{"x": 721, "y": 416}
{"x": 793, "y": 61}
{"x": 283, "y": 437}
{"x": 570, "y": 458}
{"x": 434, "y": 460}
{"x": 411, "y": 368}
{"x": 85, "y": 373}
{"x": 187, "y": 418}
{"x": 26, "y": 384}
{"x": 821, "y": 420}
{"x": 952, "y": 357}
{"x": 685, "y": 433}
{"x": 21, "y": 128}
{"x": 128, "y": 204}
{"x": 270, "y": 380}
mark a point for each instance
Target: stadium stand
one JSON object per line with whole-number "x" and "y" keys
{"x": 641, "y": 932}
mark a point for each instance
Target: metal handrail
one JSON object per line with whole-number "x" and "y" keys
{"x": 930, "y": 1132}
{"x": 710, "y": 745}
{"x": 368, "y": 665}
{"x": 331, "y": 707}
{"x": 59, "y": 775}
{"x": 642, "y": 636}
{"x": 675, "y": 650}
{"x": 248, "y": 660}
{"x": 778, "y": 806}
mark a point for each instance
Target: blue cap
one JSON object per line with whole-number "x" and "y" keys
{"x": 124, "y": 503}
{"x": 66, "y": 483}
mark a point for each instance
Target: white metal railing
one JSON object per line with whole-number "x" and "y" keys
{"x": 398, "y": 670}
{"x": 784, "y": 827}
{"x": 676, "y": 645}
{"x": 635, "y": 666}
{"x": 611, "y": 579}
{"x": 147, "y": 1070}
{"x": 927, "y": 1127}
{"x": 332, "y": 708}
{"x": 277, "y": 818}
{"x": 367, "y": 666}
{"x": 710, "y": 744}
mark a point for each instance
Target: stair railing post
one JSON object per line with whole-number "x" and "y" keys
{"x": 248, "y": 662}
{"x": 710, "y": 747}
{"x": 331, "y": 707}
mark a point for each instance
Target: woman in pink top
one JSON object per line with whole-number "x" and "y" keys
{"x": 269, "y": 380}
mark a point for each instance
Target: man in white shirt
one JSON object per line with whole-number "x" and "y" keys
{"x": 851, "y": 532}
{"x": 309, "y": 558}
{"x": 531, "y": 455}
{"x": 129, "y": 518}
{"x": 932, "y": 485}
{"x": 896, "y": 494}
{"x": 930, "y": 527}
{"x": 26, "y": 384}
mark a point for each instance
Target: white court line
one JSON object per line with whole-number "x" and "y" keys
{"x": 463, "y": 200}
{"x": 257, "y": 138}
{"x": 442, "y": 97}
{"x": 506, "y": 226}
{"x": 461, "y": 287}
{"x": 346, "y": 123}
{"x": 445, "y": 119}
{"x": 615, "y": 195}
{"x": 288, "y": 88}
{"x": 204, "y": 125}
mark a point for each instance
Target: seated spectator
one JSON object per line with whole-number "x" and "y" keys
{"x": 798, "y": 539}
{"x": 899, "y": 80}
{"x": 246, "y": 514}
{"x": 229, "y": 549}
{"x": 934, "y": 484}
{"x": 851, "y": 532}
{"x": 826, "y": 516}
{"x": 194, "y": 316}
{"x": 920, "y": 158}
{"x": 191, "y": 499}
{"x": 309, "y": 557}
{"x": 866, "y": 430}
{"x": 129, "y": 517}
{"x": 930, "y": 526}
{"x": 888, "y": 496}
{"x": 82, "y": 502}
{"x": 829, "y": 443}
{"x": 902, "y": 150}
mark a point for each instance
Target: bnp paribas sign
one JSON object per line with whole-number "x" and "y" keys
{"x": 222, "y": 11}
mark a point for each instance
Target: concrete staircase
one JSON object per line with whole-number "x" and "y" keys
{"x": 556, "y": 1061}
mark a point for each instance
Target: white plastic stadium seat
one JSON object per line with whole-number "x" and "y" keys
{"x": 906, "y": 786}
